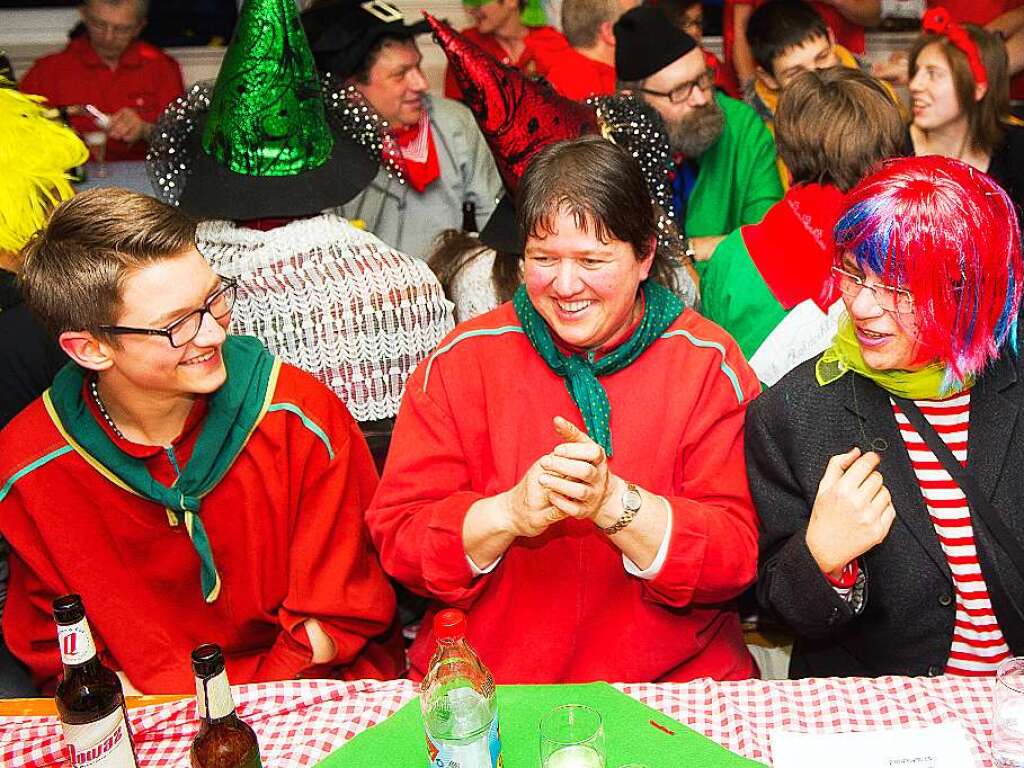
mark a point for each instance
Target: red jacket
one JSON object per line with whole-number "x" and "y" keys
{"x": 146, "y": 79}
{"x": 285, "y": 526}
{"x": 577, "y": 77}
{"x": 543, "y": 45}
{"x": 561, "y": 607}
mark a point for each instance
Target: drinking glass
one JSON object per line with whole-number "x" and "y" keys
{"x": 572, "y": 736}
{"x": 1008, "y": 715}
{"x": 96, "y": 141}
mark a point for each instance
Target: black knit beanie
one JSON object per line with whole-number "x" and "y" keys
{"x": 646, "y": 41}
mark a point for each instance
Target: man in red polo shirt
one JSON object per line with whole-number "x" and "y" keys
{"x": 109, "y": 68}
{"x": 588, "y": 67}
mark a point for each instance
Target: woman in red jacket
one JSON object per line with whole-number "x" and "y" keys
{"x": 567, "y": 468}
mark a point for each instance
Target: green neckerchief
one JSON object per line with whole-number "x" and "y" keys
{"x": 234, "y": 411}
{"x": 661, "y": 308}
{"x": 928, "y": 383}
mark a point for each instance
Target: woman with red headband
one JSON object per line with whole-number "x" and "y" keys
{"x": 959, "y": 88}
{"x": 887, "y": 472}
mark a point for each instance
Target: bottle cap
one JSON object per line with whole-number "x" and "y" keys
{"x": 207, "y": 660}
{"x": 68, "y": 609}
{"x": 450, "y": 624}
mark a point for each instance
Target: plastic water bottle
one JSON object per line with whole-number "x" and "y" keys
{"x": 460, "y": 709}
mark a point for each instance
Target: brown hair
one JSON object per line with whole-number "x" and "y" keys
{"x": 601, "y": 185}
{"x": 833, "y": 125}
{"x": 75, "y": 268}
{"x": 984, "y": 117}
{"x": 454, "y": 249}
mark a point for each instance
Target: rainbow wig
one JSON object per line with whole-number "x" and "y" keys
{"x": 948, "y": 234}
{"x": 36, "y": 153}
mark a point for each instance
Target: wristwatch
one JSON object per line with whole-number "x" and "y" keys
{"x": 631, "y": 501}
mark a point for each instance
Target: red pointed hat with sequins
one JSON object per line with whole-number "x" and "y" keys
{"x": 517, "y": 116}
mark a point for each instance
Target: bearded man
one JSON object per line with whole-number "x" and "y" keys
{"x": 725, "y": 173}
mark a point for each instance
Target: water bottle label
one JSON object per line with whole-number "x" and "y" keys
{"x": 104, "y": 743}
{"x": 484, "y": 752}
{"x": 76, "y": 645}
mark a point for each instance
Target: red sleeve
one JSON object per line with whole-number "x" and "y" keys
{"x": 847, "y": 578}
{"x": 29, "y": 630}
{"x": 334, "y": 576}
{"x": 37, "y": 80}
{"x": 417, "y": 514}
{"x": 712, "y": 555}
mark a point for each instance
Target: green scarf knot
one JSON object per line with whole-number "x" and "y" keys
{"x": 928, "y": 383}
{"x": 661, "y": 308}
{"x": 233, "y": 413}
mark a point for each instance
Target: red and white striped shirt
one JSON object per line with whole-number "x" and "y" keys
{"x": 978, "y": 644}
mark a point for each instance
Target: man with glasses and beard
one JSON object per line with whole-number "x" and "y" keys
{"x": 725, "y": 173}
{"x": 179, "y": 474}
{"x": 110, "y": 69}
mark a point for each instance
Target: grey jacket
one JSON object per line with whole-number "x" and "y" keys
{"x": 408, "y": 220}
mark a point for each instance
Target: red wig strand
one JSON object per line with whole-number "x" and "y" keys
{"x": 947, "y": 233}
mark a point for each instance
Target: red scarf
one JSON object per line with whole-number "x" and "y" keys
{"x": 418, "y": 154}
{"x": 792, "y": 247}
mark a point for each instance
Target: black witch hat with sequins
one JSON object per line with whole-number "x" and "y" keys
{"x": 258, "y": 143}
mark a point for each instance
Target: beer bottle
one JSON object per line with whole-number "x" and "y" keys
{"x": 89, "y": 698}
{"x": 223, "y": 740}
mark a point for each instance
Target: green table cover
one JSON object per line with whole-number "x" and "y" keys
{"x": 398, "y": 742}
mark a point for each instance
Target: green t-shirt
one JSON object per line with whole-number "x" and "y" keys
{"x": 737, "y": 180}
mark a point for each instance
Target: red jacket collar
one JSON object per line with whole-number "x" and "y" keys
{"x": 136, "y": 450}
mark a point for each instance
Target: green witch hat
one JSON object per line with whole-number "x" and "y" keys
{"x": 265, "y": 134}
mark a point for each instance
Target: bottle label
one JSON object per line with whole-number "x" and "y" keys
{"x": 76, "y": 645}
{"x": 104, "y": 743}
{"x": 483, "y": 752}
{"x": 213, "y": 697}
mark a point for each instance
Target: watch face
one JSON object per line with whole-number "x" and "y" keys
{"x": 631, "y": 500}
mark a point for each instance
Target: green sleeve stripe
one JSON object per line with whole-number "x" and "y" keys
{"x": 311, "y": 425}
{"x": 32, "y": 467}
{"x": 704, "y": 343}
{"x": 462, "y": 337}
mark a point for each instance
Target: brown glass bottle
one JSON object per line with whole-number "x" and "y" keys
{"x": 89, "y": 698}
{"x": 223, "y": 741}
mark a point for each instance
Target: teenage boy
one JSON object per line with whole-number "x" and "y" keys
{"x": 787, "y": 38}
{"x": 188, "y": 485}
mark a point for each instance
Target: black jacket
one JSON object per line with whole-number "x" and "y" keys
{"x": 29, "y": 358}
{"x": 905, "y": 625}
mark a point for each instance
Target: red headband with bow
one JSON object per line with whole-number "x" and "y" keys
{"x": 937, "y": 21}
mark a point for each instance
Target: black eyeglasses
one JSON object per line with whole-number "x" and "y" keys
{"x": 183, "y": 330}
{"x": 684, "y": 91}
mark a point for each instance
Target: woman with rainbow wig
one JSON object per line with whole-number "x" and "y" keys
{"x": 887, "y": 472}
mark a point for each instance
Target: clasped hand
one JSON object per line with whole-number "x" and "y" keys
{"x": 852, "y": 511}
{"x": 573, "y": 480}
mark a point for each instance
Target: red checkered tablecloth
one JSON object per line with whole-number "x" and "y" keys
{"x": 300, "y": 722}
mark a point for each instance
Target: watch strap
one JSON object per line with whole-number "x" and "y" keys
{"x": 628, "y": 513}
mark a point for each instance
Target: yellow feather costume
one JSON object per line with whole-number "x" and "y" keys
{"x": 36, "y": 153}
